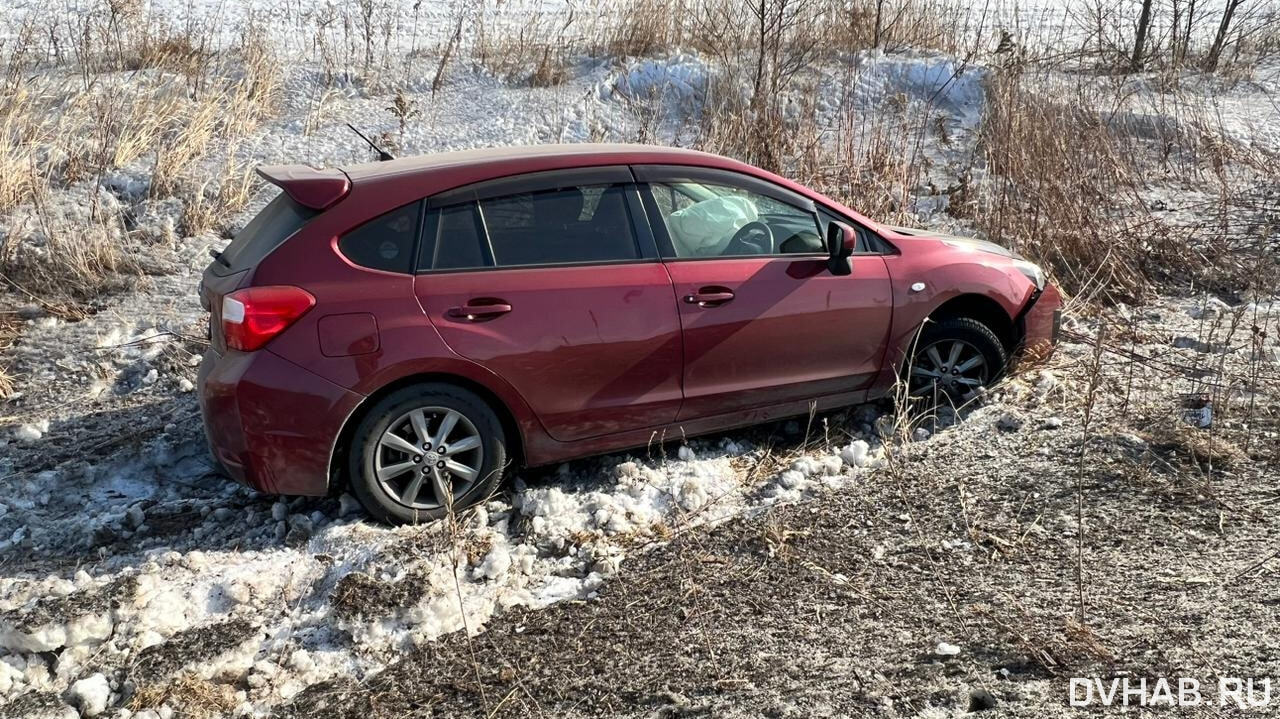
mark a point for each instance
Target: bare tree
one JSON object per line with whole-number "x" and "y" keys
{"x": 367, "y": 8}
{"x": 1184, "y": 21}
{"x": 762, "y": 45}
{"x": 1140, "y": 40}
{"x": 1219, "y": 40}
{"x": 879, "y": 31}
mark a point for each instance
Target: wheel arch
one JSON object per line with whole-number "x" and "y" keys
{"x": 342, "y": 445}
{"x": 983, "y": 309}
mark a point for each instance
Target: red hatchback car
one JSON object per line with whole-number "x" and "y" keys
{"x": 413, "y": 328}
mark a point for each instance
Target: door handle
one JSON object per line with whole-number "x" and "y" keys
{"x": 709, "y": 296}
{"x": 479, "y": 312}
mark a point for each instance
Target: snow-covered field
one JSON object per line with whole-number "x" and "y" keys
{"x": 133, "y": 578}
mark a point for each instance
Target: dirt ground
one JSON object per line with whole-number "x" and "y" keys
{"x": 836, "y": 606}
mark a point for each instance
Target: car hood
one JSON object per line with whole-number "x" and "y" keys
{"x": 969, "y": 242}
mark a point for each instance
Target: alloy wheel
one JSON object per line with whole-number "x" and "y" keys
{"x": 951, "y": 366}
{"x": 429, "y": 456}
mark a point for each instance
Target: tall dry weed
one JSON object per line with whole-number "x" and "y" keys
{"x": 59, "y": 132}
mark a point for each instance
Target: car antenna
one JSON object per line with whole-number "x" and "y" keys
{"x": 383, "y": 155}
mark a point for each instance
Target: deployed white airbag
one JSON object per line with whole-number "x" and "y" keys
{"x": 704, "y": 229}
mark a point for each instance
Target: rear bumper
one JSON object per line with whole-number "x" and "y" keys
{"x": 271, "y": 424}
{"x": 1042, "y": 322}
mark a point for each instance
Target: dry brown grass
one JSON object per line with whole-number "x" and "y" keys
{"x": 538, "y": 54}
{"x": 183, "y": 53}
{"x": 9, "y": 325}
{"x": 645, "y": 27}
{"x": 1063, "y": 172}
{"x": 52, "y": 253}
{"x": 208, "y": 204}
{"x": 654, "y": 27}
{"x": 761, "y": 106}
{"x": 552, "y": 69}
{"x": 228, "y": 110}
{"x": 1196, "y": 446}
{"x": 1064, "y": 190}
{"x": 894, "y": 25}
{"x": 188, "y": 695}
{"x": 64, "y": 133}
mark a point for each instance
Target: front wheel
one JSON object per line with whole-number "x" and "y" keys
{"x": 425, "y": 450}
{"x": 953, "y": 358}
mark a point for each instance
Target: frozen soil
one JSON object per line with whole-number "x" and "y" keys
{"x": 837, "y": 605}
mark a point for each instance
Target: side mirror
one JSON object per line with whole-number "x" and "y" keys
{"x": 841, "y": 242}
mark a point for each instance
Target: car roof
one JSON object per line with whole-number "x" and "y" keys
{"x": 531, "y": 158}
{"x": 405, "y": 179}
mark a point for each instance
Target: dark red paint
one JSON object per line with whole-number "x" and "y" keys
{"x": 309, "y": 187}
{"x": 580, "y": 359}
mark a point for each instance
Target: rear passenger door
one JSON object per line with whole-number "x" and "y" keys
{"x": 552, "y": 281}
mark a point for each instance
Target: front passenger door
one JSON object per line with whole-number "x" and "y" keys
{"x": 764, "y": 322}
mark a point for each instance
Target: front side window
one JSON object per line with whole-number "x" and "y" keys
{"x": 588, "y": 223}
{"x": 867, "y": 242}
{"x": 385, "y": 242}
{"x": 707, "y": 219}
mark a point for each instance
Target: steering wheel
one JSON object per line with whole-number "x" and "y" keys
{"x": 753, "y": 238}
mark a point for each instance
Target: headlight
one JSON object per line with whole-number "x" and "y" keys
{"x": 1032, "y": 271}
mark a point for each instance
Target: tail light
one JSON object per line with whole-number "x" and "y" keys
{"x": 252, "y": 316}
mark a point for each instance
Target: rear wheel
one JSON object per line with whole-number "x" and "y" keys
{"x": 953, "y": 358}
{"x": 424, "y": 450}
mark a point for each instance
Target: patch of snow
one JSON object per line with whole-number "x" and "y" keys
{"x": 31, "y": 432}
{"x": 945, "y": 649}
{"x": 91, "y": 695}
{"x": 679, "y": 81}
{"x": 856, "y": 454}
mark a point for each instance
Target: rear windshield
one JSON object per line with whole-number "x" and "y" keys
{"x": 278, "y": 220}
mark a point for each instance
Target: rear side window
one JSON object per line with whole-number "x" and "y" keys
{"x": 589, "y": 223}
{"x": 266, "y": 231}
{"x": 385, "y": 242}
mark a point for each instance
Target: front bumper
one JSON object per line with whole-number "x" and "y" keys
{"x": 271, "y": 424}
{"x": 1042, "y": 322}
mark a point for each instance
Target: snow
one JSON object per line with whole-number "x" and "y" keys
{"x": 678, "y": 81}
{"x": 945, "y": 649}
{"x": 935, "y": 79}
{"x": 856, "y": 454}
{"x": 91, "y": 695}
{"x": 30, "y": 432}
{"x": 558, "y": 539}
{"x": 496, "y": 563}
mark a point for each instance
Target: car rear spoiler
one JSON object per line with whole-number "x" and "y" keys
{"x": 309, "y": 187}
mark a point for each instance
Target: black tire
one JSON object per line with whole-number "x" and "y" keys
{"x": 943, "y": 334}
{"x": 380, "y": 499}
